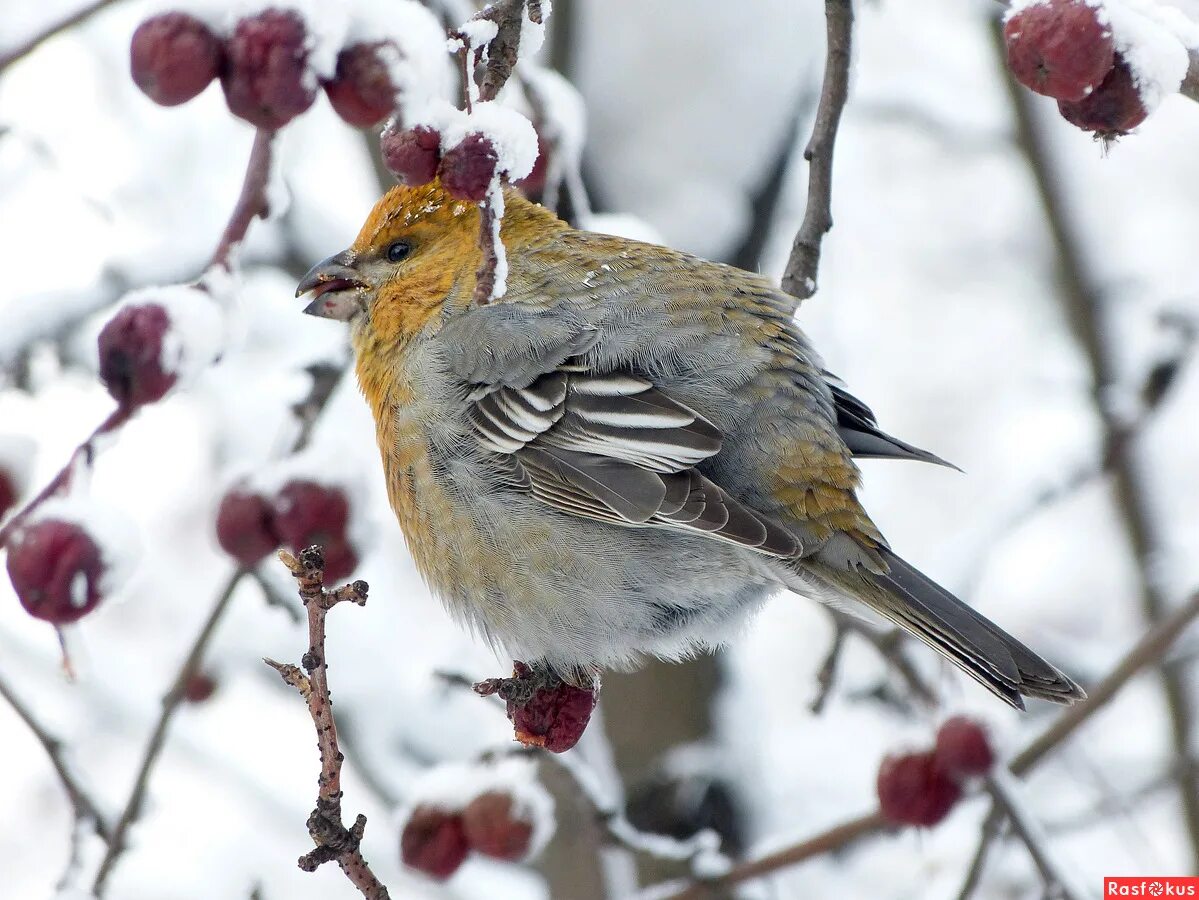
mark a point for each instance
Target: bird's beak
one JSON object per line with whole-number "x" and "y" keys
{"x": 336, "y": 288}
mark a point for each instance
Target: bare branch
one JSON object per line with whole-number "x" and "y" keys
{"x": 1058, "y": 884}
{"x": 26, "y": 47}
{"x": 799, "y": 278}
{"x": 489, "y": 236}
{"x": 828, "y": 669}
{"x": 508, "y": 15}
{"x": 170, "y": 702}
{"x": 1082, "y": 302}
{"x": 992, "y": 828}
{"x": 334, "y": 842}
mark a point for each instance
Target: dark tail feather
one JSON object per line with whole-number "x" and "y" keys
{"x": 980, "y": 648}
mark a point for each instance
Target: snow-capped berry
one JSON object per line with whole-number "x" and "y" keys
{"x": 467, "y": 168}
{"x": 199, "y": 687}
{"x": 412, "y": 154}
{"x": 433, "y": 842}
{"x": 1059, "y": 48}
{"x": 245, "y": 526}
{"x": 55, "y": 567}
{"x": 534, "y": 183}
{"x": 493, "y": 827}
{"x": 173, "y": 57}
{"x": 1112, "y": 109}
{"x": 361, "y": 90}
{"x": 963, "y": 748}
{"x": 308, "y": 513}
{"x": 544, "y": 711}
{"x": 912, "y": 790}
{"x": 130, "y": 346}
{"x": 264, "y": 79}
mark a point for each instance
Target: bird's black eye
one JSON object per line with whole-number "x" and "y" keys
{"x": 398, "y": 251}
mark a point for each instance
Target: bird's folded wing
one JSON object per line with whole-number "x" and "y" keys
{"x": 614, "y": 447}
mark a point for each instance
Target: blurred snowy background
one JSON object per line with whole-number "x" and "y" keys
{"x": 940, "y": 305}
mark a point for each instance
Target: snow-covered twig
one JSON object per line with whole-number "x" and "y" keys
{"x": 799, "y": 278}
{"x": 87, "y": 813}
{"x": 1058, "y": 883}
{"x": 69, "y": 21}
{"x": 334, "y": 842}
{"x": 992, "y": 827}
{"x": 1083, "y": 303}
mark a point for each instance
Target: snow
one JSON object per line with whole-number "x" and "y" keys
{"x": 421, "y": 70}
{"x": 197, "y": 334}
{"x": 17, "y": 453}
{"x": 495, "y": 202}
{"x": 1155, "y": 54}
{"x": 511, "y": 133}
{"x": 532, "y": 34}
{"x": 112, "y": 531}
{"x": 451, "y": 787}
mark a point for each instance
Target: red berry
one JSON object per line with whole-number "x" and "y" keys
{"x": 492, "y": 829}
{"x": 468, "y": 167}
{"x": 544, "y": 710}
{"x": 433, "y": 842}
{"x": 199, "y": 687}
{"x": 534, "y": 183}
{"x": 1112, "y": 109}
{"x": 308, "y": 513}
{"x": 130, "y": 347}
{"x": 173, "y": 57}
{"x": 245, "y": 527}
{"x": 1059, "y": 48}
{"x": 265, "y": 81}
{"x": 8, "y": 493}
{"x": 913, "y": 791}
{"x": 361, "y": 91}
{"x": 55, "y": 568}
{"x": 963, "y": 748}
{"x": 411, "y": 155}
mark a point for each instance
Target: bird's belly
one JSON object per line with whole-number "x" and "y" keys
{"x": 579, "y": 594}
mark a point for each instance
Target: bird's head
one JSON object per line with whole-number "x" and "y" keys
{"x": 417, "y": 252}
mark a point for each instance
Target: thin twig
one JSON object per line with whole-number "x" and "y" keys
{"x": 27, "y": 46}
{"x": 830, "y": 841}
{"x": 827, "y": 674}
{"x": 170, "y": 702}
{"x": 1082, "y": 301}
{"x": 84, "y": 807}
{"x": 334, "y": 842}
{"x": 991, "y": 829}
{"x": 502, "y": 50}
{"x": 799, "y": 278}
{"x": 1058, "y": 884}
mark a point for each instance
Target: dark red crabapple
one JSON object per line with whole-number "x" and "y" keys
{"x": 468, "y": 167}
{"x": 1112, "y": 109}
{"x": 55, "y": 568}
{"x": 433, "y": 842}
{"x": 173, "y": 57}
{"x": 308, "y": 513}
{"x": 534, "y": 183}
{"x": 361, "y": 91}
{"x": 265, "y": 81}
{"x": 544, "y": 710}
{"x": 1059, "y": 48}
{"x": 199, "y": 687}
{"x": 493, "y": 829}
{"x": 245, "y": 526}
{"x": 412, "y": 155}
{"x": 130, "y": 346}
{"x": 963, "y": 749}
{"x": 912, "y": 790}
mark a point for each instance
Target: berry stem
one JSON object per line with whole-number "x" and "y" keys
{"x": 251, "y": 203}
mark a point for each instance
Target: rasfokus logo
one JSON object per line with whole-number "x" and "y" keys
{"x": 1164, "y": 886}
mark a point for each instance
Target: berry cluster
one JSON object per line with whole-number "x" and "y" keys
{"x": 301, "y": 513}
{"x": 921, "y": 788}
{"x": 414, "y": 156}
{"x": 437, "y": 837}
{"x": 263, "y": 67}
{"x": 544, "y": 710}
{"x": 1064, "y": 49}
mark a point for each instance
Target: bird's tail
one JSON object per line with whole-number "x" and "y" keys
{"x": 984, "y": 651}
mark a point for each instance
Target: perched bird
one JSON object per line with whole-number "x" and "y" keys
{"x": 627, "y": 452}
